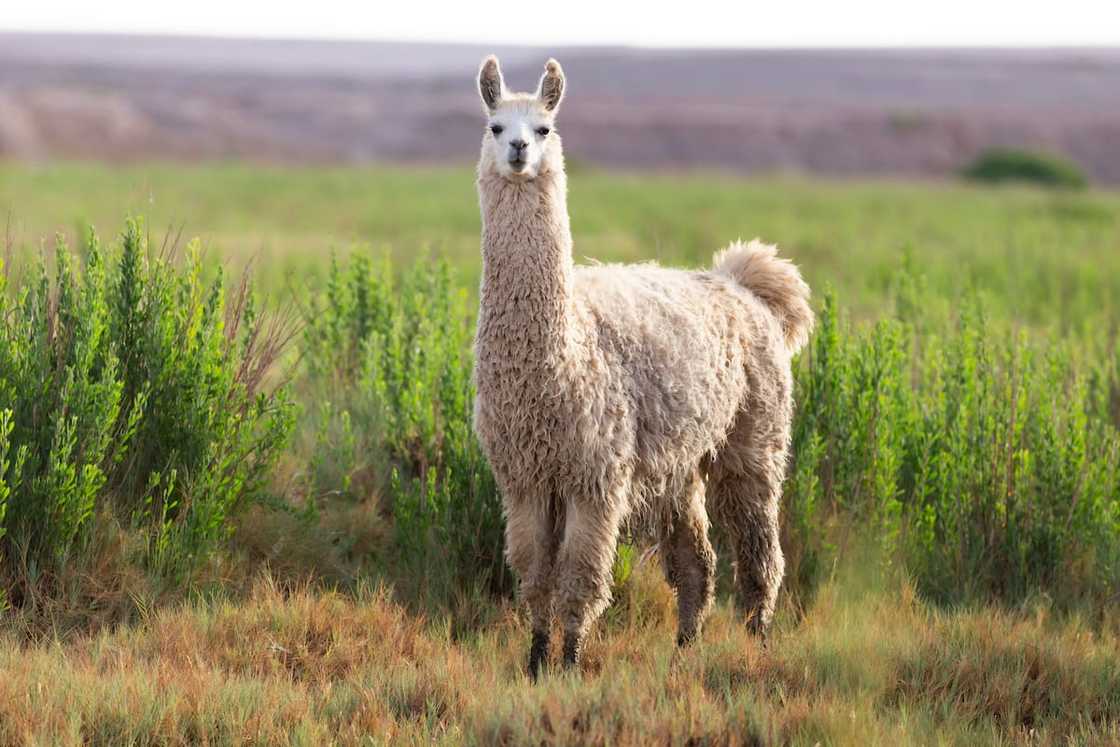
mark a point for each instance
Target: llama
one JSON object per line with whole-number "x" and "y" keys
{"x": 623, "y": 399}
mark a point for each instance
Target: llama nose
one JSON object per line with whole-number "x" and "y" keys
{"x": 518, "y": 144}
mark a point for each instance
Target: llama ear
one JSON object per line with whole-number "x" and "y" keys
{"x": 490, "y": 85}
{"x": 551, "y": 89}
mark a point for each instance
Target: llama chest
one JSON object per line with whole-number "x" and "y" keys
{"x": 542, "y": 436}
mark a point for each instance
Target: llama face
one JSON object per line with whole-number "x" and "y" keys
{"x": 519, "y": 142}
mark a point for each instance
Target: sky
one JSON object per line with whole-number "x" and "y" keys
{"x": 694, "y": 23}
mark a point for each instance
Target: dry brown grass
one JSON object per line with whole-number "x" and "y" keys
{"x": 866, "y": 664}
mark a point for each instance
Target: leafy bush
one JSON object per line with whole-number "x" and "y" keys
{"x": 1005, "y": 165}
{"x": 394, "y": 357}
{"x": 130, "y": 388}
{"x": 990, "y": 466}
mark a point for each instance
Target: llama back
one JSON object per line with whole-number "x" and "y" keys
{"x": 774, "y": 281}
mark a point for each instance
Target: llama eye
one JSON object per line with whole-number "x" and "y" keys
{"x": 543, "y": 131}
{"x": 496, "y": 129}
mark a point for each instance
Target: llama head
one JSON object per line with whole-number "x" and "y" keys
{"x": 520, "y": 142}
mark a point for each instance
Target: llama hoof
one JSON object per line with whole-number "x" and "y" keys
{"x": 572, "y": 649}
{"x": 685, "y": 639}
{"x": 538, "y": 654}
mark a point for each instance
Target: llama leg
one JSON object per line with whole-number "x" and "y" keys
{"x": 690, "y": 563}
{"x": 749, "y": 508}
{"x": 583, "y": 588}
{"x": 531, "y": 542}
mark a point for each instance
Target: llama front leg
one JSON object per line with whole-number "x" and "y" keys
{"x": 583, "y": 587}
{"x": 532, "y": 541}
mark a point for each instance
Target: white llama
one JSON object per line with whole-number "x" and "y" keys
{"x": 623, "y": 398}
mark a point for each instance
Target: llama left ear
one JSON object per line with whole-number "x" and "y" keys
{"x": 551, "y": 89}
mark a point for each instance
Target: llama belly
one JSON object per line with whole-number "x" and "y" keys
{"x": 678, "y": 345}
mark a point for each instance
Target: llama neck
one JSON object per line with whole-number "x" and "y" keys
{"x": 527, "y": 270}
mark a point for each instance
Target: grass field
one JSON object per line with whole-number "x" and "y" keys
{"x": 1045, "y": 256}
{"x": 952, "y": 519}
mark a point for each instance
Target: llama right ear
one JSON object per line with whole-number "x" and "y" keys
{"x": 490, "y": 85}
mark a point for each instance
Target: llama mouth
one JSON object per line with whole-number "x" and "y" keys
{"x": 517, "y": 164}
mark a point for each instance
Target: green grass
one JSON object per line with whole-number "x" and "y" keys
{"x": 952, "y": 517}
{"x": 1045, "y": 258}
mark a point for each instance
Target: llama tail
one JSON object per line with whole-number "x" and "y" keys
{"x": 775, "y": 281}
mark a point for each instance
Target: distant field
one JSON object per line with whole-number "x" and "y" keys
{"x": 191, "y": 555}
{"x": 1044, "y": 257}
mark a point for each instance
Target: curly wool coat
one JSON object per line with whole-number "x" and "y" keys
{"x": 630, "y": 398}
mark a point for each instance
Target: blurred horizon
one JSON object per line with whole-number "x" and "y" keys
{"x": 845, "y": 112}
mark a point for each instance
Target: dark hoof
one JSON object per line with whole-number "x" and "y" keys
{"x": 538, "y": 654}
{"x": 685, "y": 639}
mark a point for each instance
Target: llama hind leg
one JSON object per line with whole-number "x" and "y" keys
{"x": 532, "y": 541}
{"x": 690, "y": 563}
{"x": 583, "y": 580}
{"x": 749, "y": 512}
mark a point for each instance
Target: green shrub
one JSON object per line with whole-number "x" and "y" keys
{"x": 990, "y": 465}
{"x": 1006, "y": 165}
{"x": 130, "y": 388}
{"x": 394, "y": 358}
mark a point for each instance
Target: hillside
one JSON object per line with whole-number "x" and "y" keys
{"x": 917, "y": 113}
